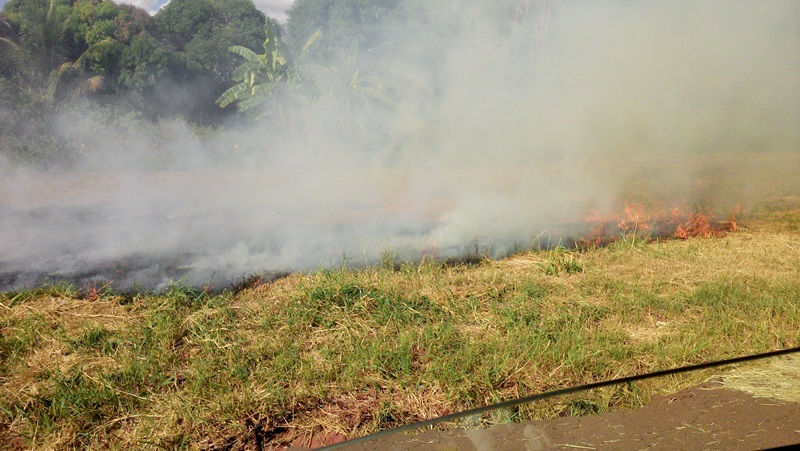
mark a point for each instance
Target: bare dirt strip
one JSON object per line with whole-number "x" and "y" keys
{"x": 747, "y": 409}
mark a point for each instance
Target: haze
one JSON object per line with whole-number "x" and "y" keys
{"x": 497, "y": 135}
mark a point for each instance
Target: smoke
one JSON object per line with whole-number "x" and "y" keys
{"x": 512, "y": 119}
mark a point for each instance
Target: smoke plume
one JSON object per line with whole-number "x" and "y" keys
{"x": 510, "y": 120}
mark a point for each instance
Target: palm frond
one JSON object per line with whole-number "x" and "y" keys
{"x": 6, "y": 89}
{"x": 98, "y": 45}
{"x": 55, "y": 79}
{"x": 9, "y": 45}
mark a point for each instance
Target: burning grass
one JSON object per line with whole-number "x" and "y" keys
{"x": 652, "y": 222}
{"x": 351, "y": 352}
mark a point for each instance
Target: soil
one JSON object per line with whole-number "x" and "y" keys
{"x": 709, "y": 416}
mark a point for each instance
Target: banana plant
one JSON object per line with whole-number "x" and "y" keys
{"x": 260, "y": 75}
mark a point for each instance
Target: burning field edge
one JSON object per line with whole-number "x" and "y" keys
{"x": 345, "y": 352}
{"x": 137, "y": 273}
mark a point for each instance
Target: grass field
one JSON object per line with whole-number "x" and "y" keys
{"x": 356, "y": 351}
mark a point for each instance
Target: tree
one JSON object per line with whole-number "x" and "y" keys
{"x": 263, "y": 80}
{"x": 344, "y": 23}
{"x": 39, "y": 75}
{"x": 39, "y": 35}
{"x": 39, "y": 53}
{"x": 200, "y": 33}
{"x": 92, "y": 33}
{"x": 10, "y": 61}
{"x": 180, "y": 21}
{"x": 305, "y": 18}
{"x": 89, "y": 22}
{"x": 203, "y": 30}
{"x": 131, "y": 22}
{"x": 143, "y": 63}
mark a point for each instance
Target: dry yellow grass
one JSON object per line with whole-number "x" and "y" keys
{"x": 356, "y": 351}
{"x": 777, "y": 378}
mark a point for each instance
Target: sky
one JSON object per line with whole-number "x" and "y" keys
{"x": 272, "y": 8}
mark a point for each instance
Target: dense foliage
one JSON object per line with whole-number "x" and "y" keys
{"x": 56, "y": 55}
{"x": 338, "y": 68}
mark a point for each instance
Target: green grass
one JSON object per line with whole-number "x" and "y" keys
{"x": 355, "y": 351}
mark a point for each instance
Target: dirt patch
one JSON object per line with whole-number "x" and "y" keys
{"x": 10, "y": 440}
{"x": 316, "y": 441}
{"x": 649, "y": 332}
{"x": 705, "y": 417}
{"x": 754, "y": 406}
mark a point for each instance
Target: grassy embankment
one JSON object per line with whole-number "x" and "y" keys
{"x": 357, "y": 351}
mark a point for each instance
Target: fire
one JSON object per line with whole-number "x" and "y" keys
{"x": 636, "y": 219}
{"x": 656, "y": 222}
{"x": 430, "y": 250}
{"x": 706, "y": 226}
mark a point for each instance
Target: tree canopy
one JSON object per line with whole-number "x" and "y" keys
{"x": 196, "y": 57}
{"x": 343, "y": 23}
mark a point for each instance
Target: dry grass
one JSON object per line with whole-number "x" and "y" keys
{"x": 777, "y": 378}
{"x": 353, "y": 352}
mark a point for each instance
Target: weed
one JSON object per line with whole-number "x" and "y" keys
{"x": 560, "y": 260}
{"x": 581, "y": 407}
{"x": 629, "y": 241}
{"x": 58, "y": 289}
{"x": 96, "y": 339}
{"x": 390, "y": 260}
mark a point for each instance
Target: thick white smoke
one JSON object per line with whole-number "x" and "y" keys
{"x": 509, "y": 121}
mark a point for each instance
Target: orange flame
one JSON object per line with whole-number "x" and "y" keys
{"x": 675, "y": 224}
{"x": 636, "y": 219}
